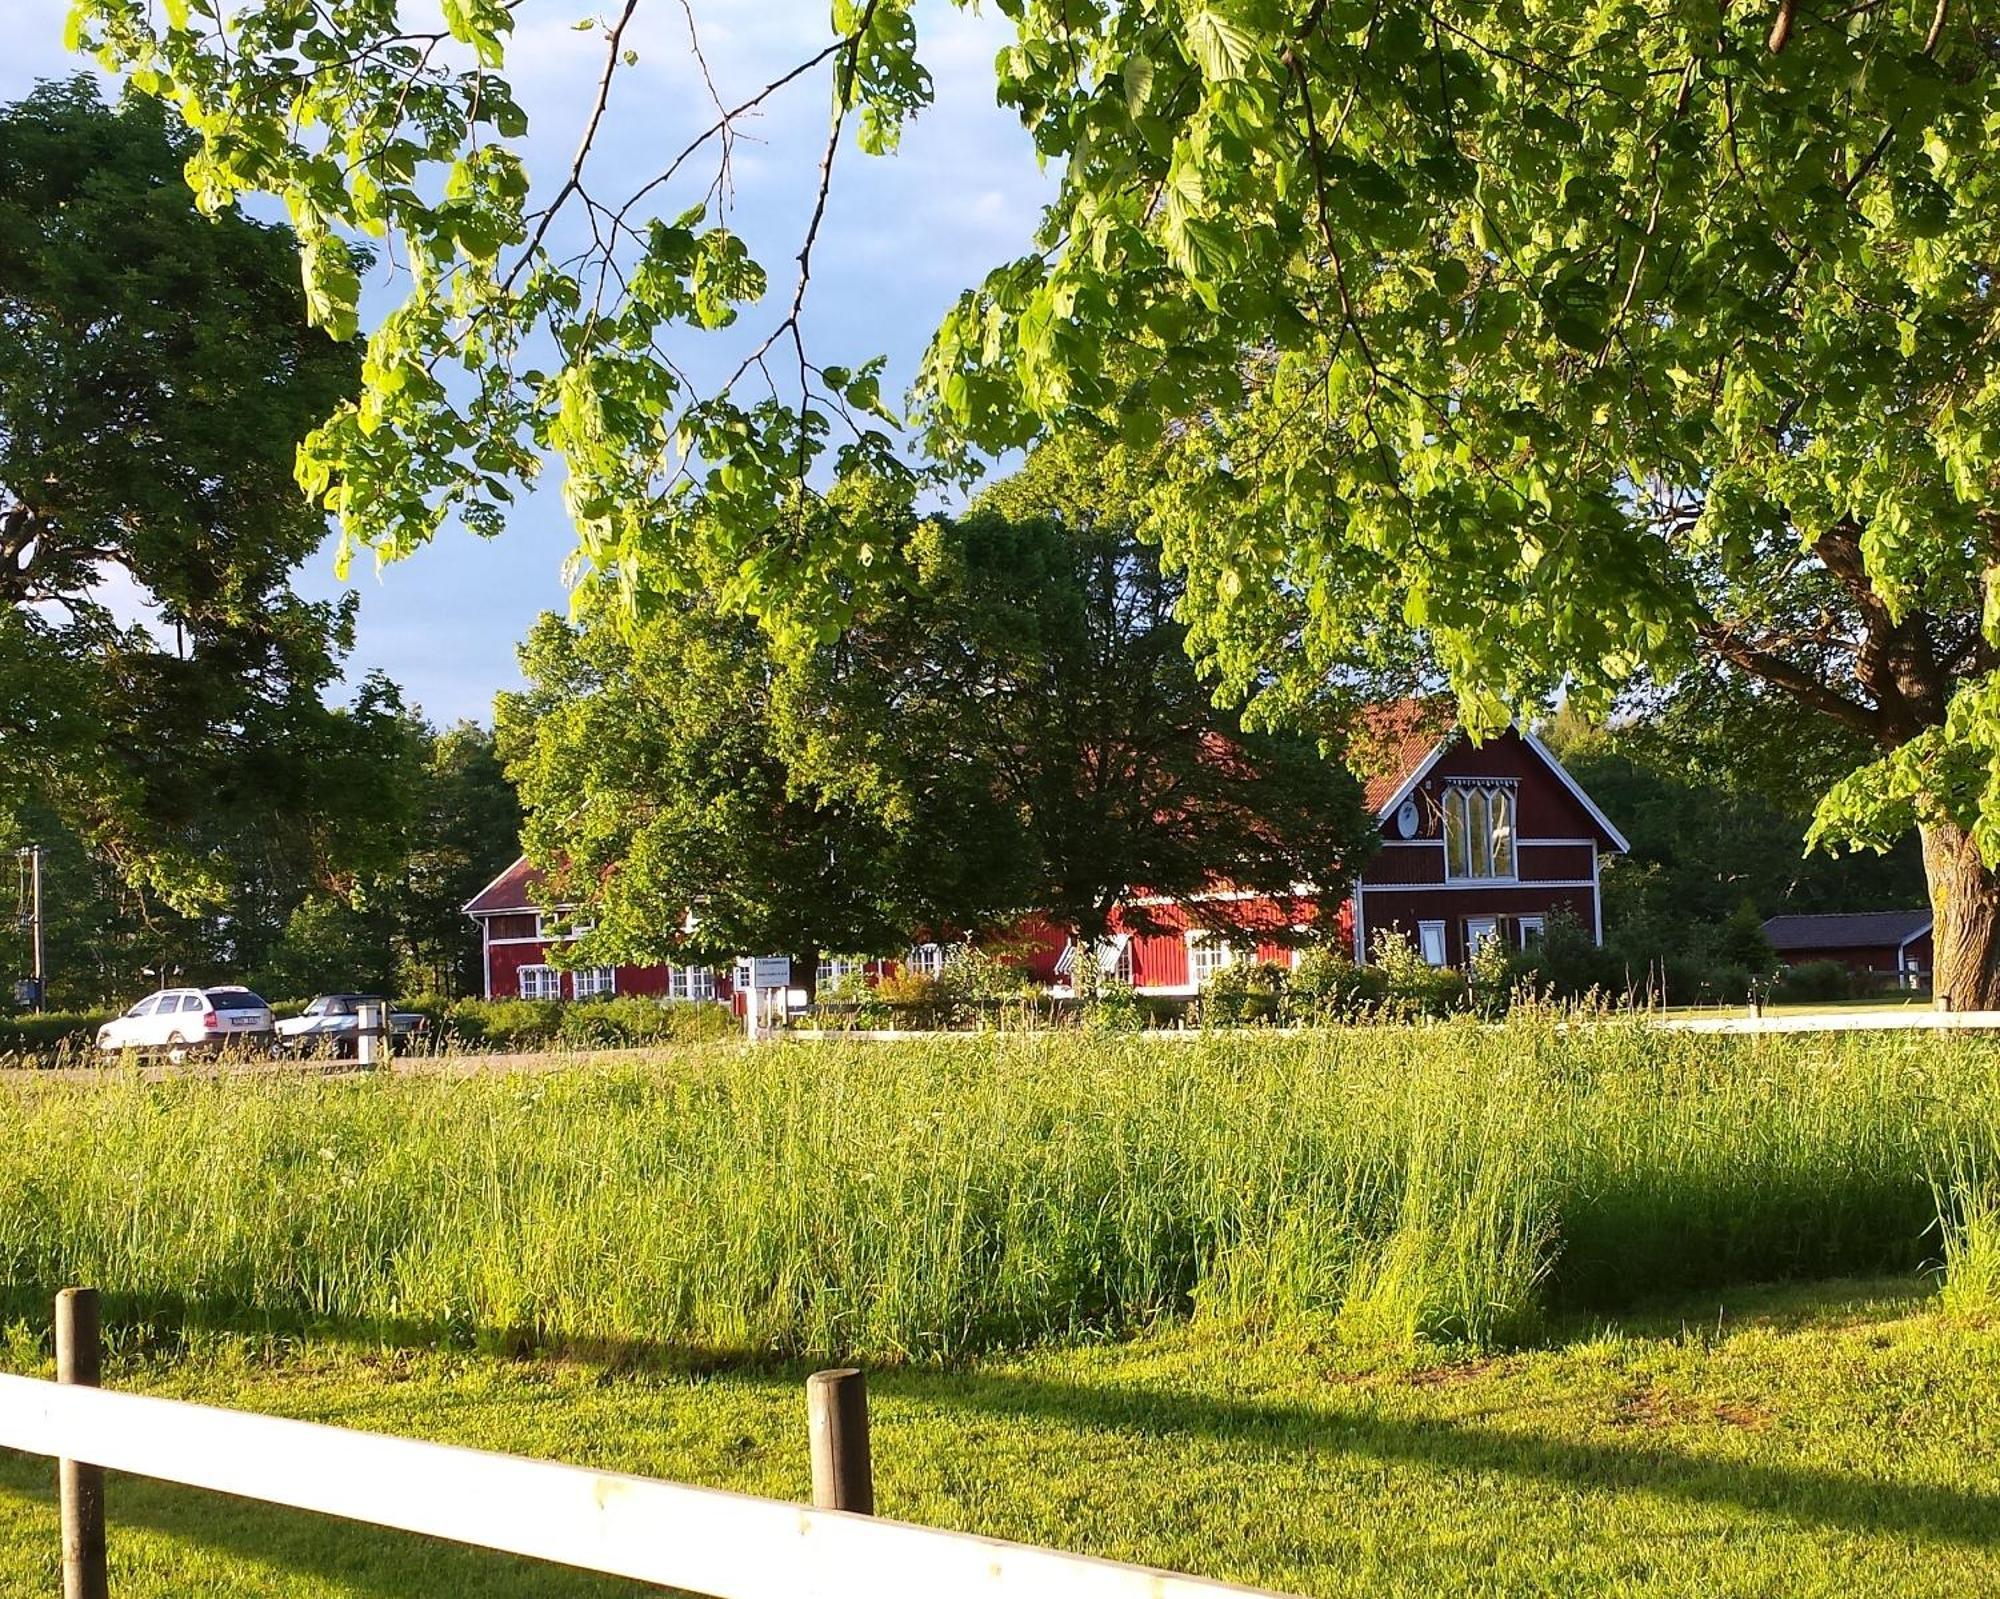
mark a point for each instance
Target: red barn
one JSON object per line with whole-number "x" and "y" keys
{"x": 1478, "y": 841}
{"x": 1890, "y": 944}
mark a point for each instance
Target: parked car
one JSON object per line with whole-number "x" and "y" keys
{"x": 330, "y": 1023}
{"x": 182, "y": 1021}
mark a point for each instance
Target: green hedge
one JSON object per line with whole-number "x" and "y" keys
{"x": 511, "y": 1024}
{"x": 46, "y": 1038}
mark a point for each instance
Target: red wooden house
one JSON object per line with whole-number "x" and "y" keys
{"x": 1478, "y": 841}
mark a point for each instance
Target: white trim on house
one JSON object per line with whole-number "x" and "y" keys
{"x": 1409, "y": 784}
{"x": 1480, "y": 885}
{"x": 467, "y": 909}
{"x": 523, "y": 973}
{"x": 1423, "y": 768}
{"x": 592, "y": 973}
{"x": 1424, "y": 931}
{"x": 1619, "y": 841}
{"x": 1596, "y": 897}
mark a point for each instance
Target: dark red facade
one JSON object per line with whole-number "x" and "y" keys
{"x": 1542, "y": 840}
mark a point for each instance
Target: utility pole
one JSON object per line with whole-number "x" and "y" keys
{"x": 32, "y": 855}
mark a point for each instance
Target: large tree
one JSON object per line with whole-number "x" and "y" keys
{"x": 1027, "y": 679}
{"x": 165, "y": 687}
{"x": 1014, "y": 727}
{"x": 1596, "y": 341}
{"x": 650, "y": 761}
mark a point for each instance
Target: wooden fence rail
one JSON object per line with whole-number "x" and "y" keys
{"x": 703, "y": 1540}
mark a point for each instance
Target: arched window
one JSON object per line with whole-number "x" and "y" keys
{"x": 1479, "y": 828}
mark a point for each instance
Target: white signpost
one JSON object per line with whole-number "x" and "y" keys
{"x": 770, "y": 982}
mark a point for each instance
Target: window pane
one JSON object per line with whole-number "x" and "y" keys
{"x": 1503, "y": 833}
{"x": 1430, "y": 935}
{"x": 1454, "y": 832}
{"x": 1479, "y": 834}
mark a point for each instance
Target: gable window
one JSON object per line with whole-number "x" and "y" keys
{"x": 1479, "y": 831}
{"x": 593, "y": 981}
{"x": 1207, "y": 955}
{"x": 690, "y": 982}
{"x": 541, "y": 982}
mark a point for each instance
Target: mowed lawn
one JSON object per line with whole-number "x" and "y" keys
{"x": 1831, "y": 1440}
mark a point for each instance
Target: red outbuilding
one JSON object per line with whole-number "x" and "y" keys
{"x": 1887, "y": 944}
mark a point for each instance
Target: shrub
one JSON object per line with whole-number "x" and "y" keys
{"x": 1327, "y": 986}
{"x": 1250, "y": 994}
{"x": 1412, "y": 986}
{"x": 1810, "y": 981}
{"x": 625, "y": 1021}
{"x": 51, "y": 1036}
{"x": 916, "y": 1000}
{"x": 1113, "y": 1006}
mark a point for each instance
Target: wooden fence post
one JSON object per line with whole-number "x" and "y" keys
{"x": 843, "y": 1476}
{"x": 79, "y": 1486}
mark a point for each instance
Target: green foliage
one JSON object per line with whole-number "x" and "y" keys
{"x": 1545, "y": 349}
{"x": 51, "y": 1038}
{"x": 1411, "y": 985}
{"x": 1458, "y": 1181}
{"x": 1246, "y": 994}
{"x": 1969, "y": 1218}
{"x": 155, "y": 380}
{"x": 1326, "y": 986}
{"x": 836, "y": 795}
{"x": 1813, "y": 980}
{"x": 1742, "y": 942}
{"x": 622, "y": 1022}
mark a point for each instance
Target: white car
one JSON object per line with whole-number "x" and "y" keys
{"x": 182, "y": 1021}
{"x": 329, "y": 1024}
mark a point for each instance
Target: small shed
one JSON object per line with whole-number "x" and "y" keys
{"x": 1887, "y": 944}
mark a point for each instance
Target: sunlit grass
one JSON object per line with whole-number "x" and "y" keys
{"x": 932, "y": 1199}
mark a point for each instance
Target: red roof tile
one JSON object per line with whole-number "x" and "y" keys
{"x": 1394, "y": 740}
{"x": 512, "y": 890}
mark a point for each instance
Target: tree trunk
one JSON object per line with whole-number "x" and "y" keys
{"x": 1965, "y": 919}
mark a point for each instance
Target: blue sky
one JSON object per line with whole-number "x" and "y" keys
{"x": 903, "y": 235}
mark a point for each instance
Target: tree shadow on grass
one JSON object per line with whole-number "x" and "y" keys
{"x": 1803, "y": 1494}
{"x": 348, "y": 1557}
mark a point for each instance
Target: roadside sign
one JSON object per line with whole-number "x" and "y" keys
{"x": 770, "y": 971}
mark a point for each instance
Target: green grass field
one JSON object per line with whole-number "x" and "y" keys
{"x": 1437, "y": 1310}
{"x": 1832, "y": 1441}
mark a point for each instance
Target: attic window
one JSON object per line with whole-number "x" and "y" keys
{"x": 1479, "y": 831}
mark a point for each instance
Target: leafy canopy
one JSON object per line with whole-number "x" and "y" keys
{"x": 1579, "y": 338}
{"x": 155, "y": 379}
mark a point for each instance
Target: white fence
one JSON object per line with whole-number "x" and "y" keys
{"x": 729, "y": 1545}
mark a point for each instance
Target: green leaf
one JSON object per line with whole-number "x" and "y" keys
{"x": 1222, "y": 47}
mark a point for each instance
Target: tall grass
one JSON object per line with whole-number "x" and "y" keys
{"x": 925, "y": 1200}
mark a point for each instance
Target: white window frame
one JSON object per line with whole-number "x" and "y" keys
{"x": 690, "y": 983}
{"x": 1482, "y": 830}
{"x": 926, "y": 960}
{"x": 1207, "y": 955}
{"x": 1530, "y": 926}
{"x": 1430, "y": 942}
{"x": 533, "y": 980}
{"x": 837, "y": 969}
{"x": 1478, "y": 929}
{"x": 591, "y": 981}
